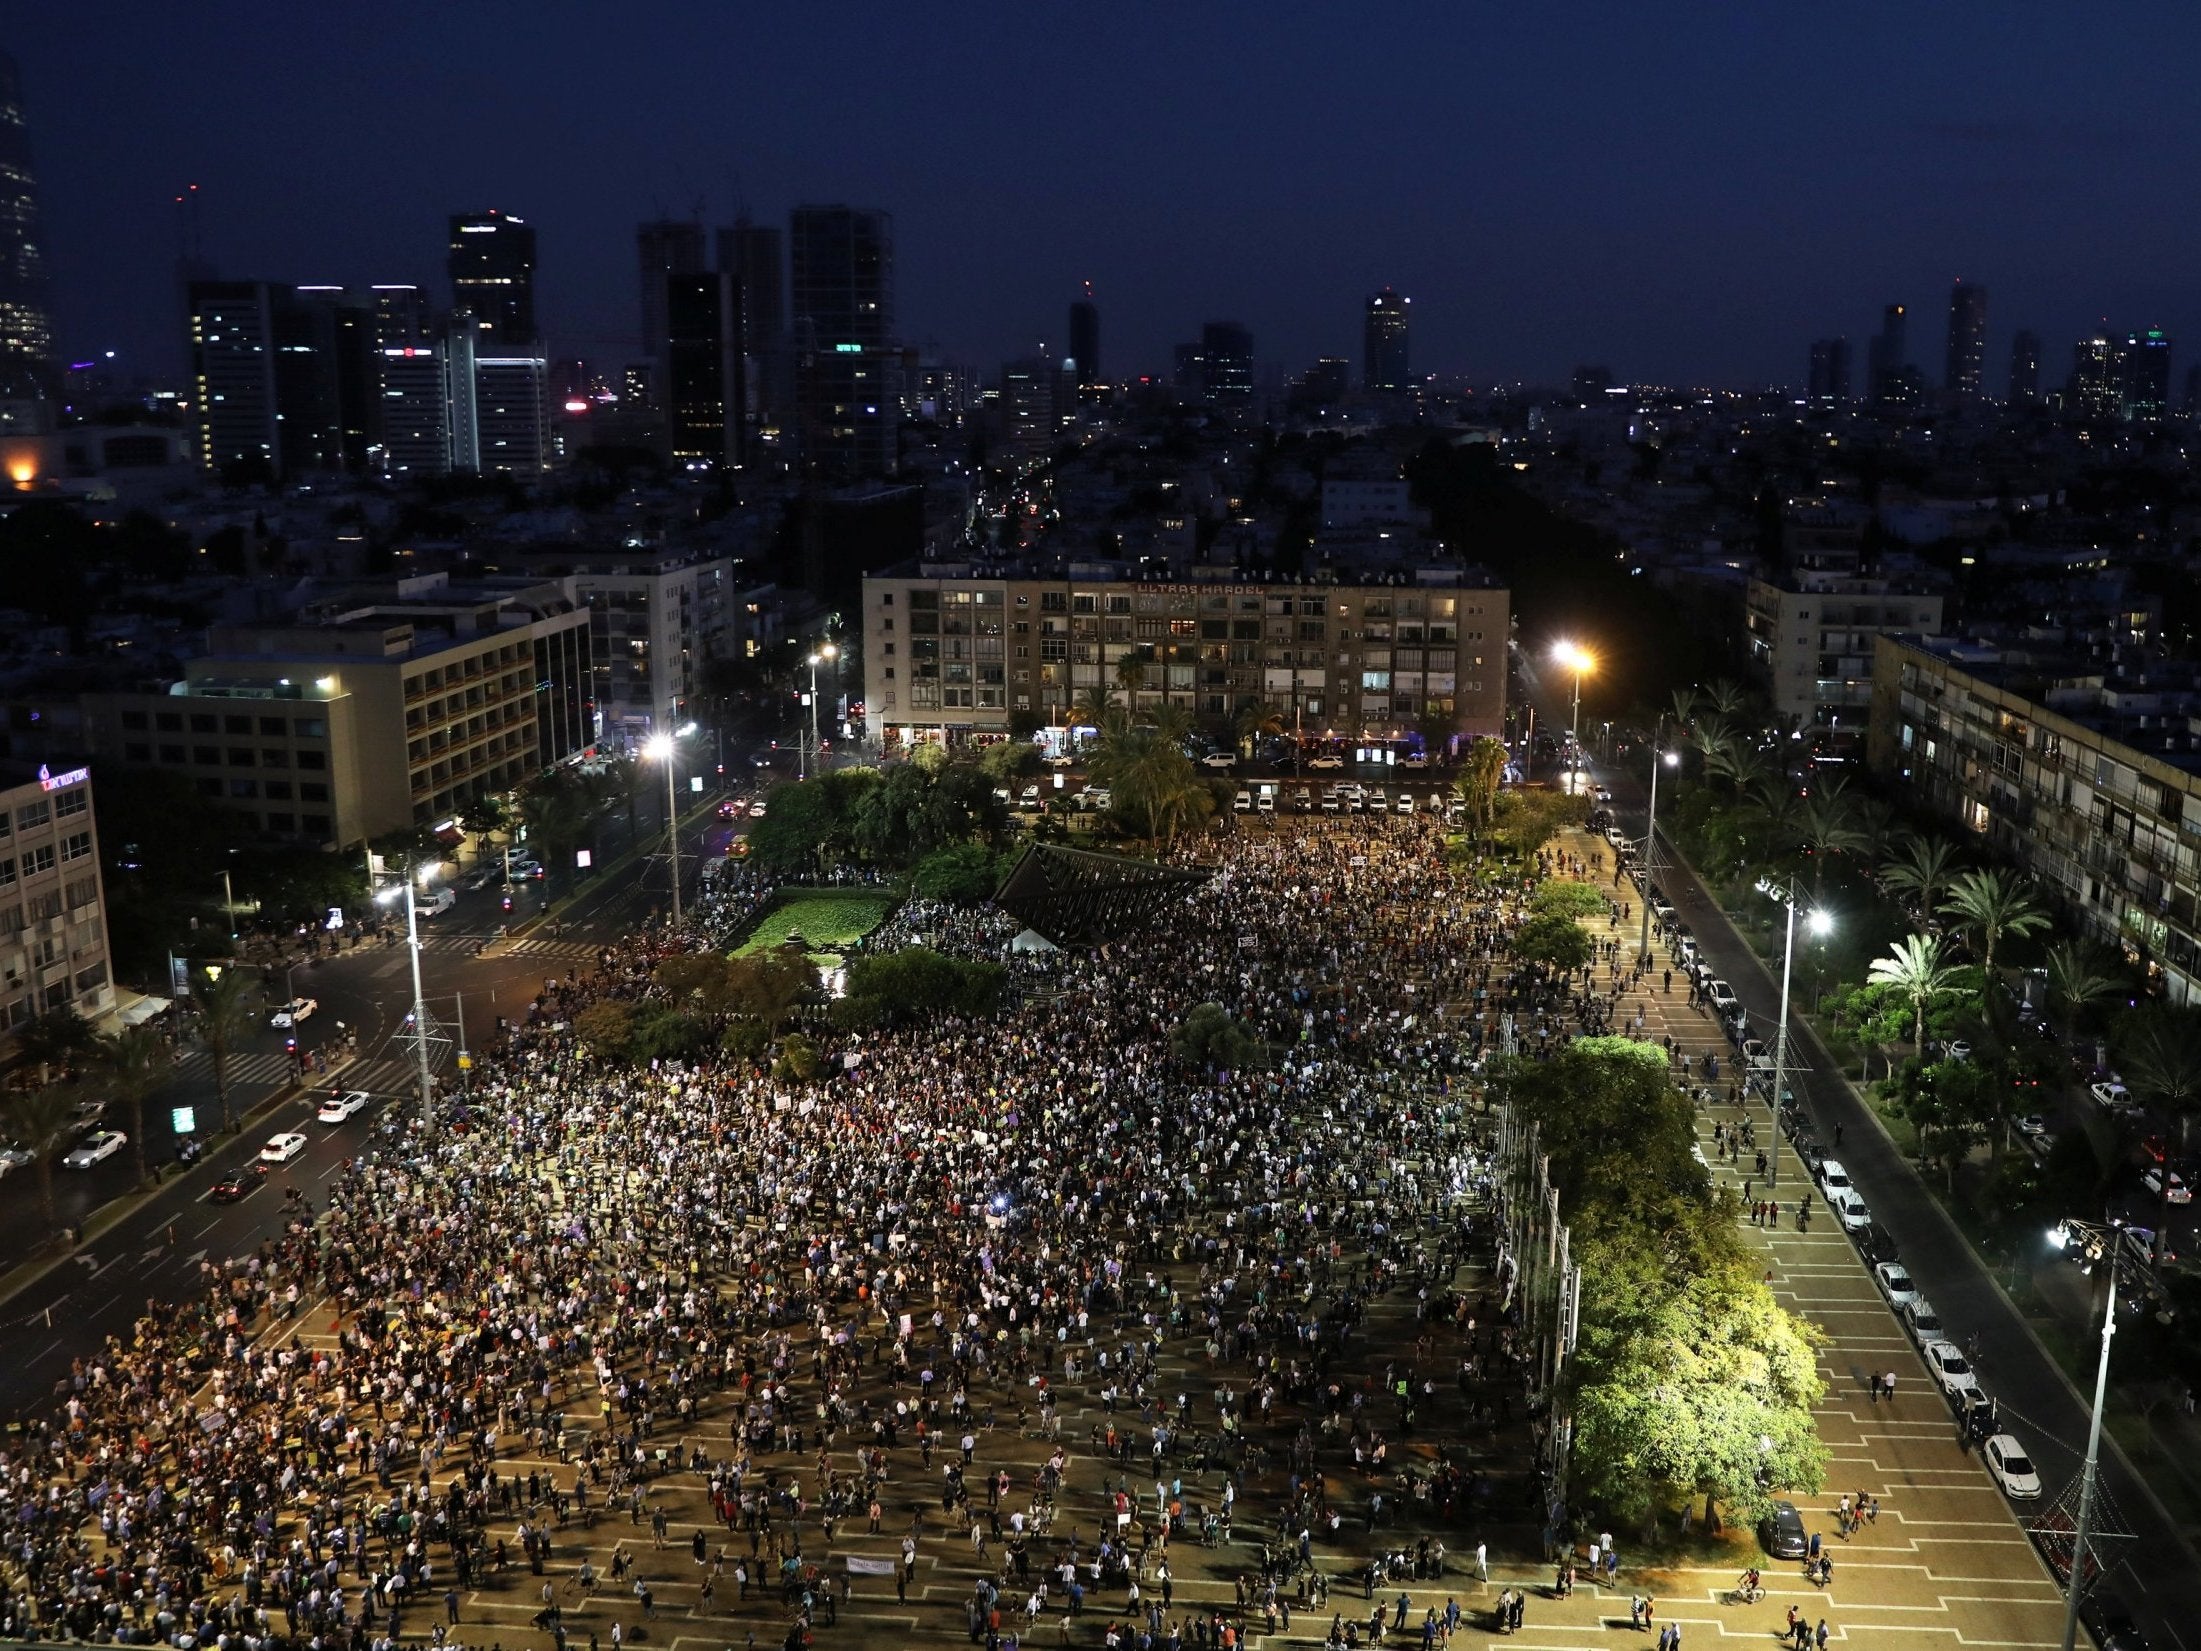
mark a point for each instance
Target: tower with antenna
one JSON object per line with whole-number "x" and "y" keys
{"x": 1085, "y": 339}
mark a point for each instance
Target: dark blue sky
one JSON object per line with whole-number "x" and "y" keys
{"x": 1686, "y": 192}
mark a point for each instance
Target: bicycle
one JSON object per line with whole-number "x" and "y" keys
{"x": 1745, "y": 1596}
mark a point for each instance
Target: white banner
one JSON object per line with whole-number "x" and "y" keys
{"x": 860, "y": 1566}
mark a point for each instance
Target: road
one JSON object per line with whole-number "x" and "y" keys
{"x": 2154, "y": 1570}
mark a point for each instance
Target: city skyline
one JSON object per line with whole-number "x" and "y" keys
{"x": 1661, "y": 227}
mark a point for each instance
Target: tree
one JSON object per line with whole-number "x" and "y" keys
{"x": 560, "y": 813}
{"x": 485, "y": 815}
{"x": 1830, "y": 823}
{"x": 1096, "y": 707}
{"x": 44, "y": 1121}
{"x": 1553, "y": 942}
{"x": 1991, "y": 904}
{"x": 1008, "y": 761}
{"x": 53, "y": 1040}
{"x": 698, "y": 983}
{"x": 2076, "y": 980}
{"x": 766, "y": 985}
{"x": 1482, "y": 773}
{"x": 799, "y": 1059}
{"x": 1151, "y": 779}
{"x": 2159, "y": 1053}
{"x": 917, "y": 985}
{"x": 1208, "y": 1037}
{"x": 606, "y": 1028}
{"x": 1255, "y": 718}
{"x": 1951, "y": 1105}
{"x": 1917, "y": 970}
{"x": 1131, "y": 671}
{"x": 128, "y": 1067}
{"x": 963, "y": 874}
{"x": 1562, "y": 899}
{"x": 226, "y": 1019}
{"x": 1921, "y": 869}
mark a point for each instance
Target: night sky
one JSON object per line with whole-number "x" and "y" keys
{"x": 1684, "y": 192}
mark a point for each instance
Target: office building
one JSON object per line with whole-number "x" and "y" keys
{"x": 381, "y": 717}
{"x": 1383, "y": 342}
{"x": 2083, "y": 773}
{"x": 233, "y": 378}
{"x": 950, "y": 651}
{"x": 1967, "y": 351}
{"x": 2096, "y": 391}
{"x": 841, "y": 302}
{"x": 416, "y": 421}
{"x": 53, "y": 919}
{"x": 402, "y": 315}
{"x": 511, "y": 412}
{"x": 664, "y": 249}
{"x": 324, "y": 370}
{"x": 1810, "y": 634}
{"x": 26, "y": 320}
{"x": 703, "y": 371}
{"x": 2146, "y": 363}
{"x": 2025, "y": 369}
{"x": 1895, "y": 382}
{"x": 1226, "y": 364}
{"x": 655, "y": 621}
{"x": 1327, "y": 382}
{"x": 1085, "y": 341}
{"x": 492, "y": 266}
{"x": 1034, "y": 400}
{"x": 756, "y": 256}
{"x": 1828, "y": 382}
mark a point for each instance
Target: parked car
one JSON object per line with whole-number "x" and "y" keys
{"x": 2011, "y": 1468}
{"x": 342, "y": 1104}
{"x": 281, "y": 1149}
{"x": 1849, "y": 1209}
{"x": 1895, "y": 1283}
{"x": 1945, "y": 1362}
{"x": 13, "y": 1157}
{"x": 1242, "y": 803}
{"x": 1920, "y": 1319}
{"x": 1303, "y": 801}
{"x": 1782, "y": 1532}
{"x": 1417, "y": 762}
{"x": 291, "y": 1013}
{"x": 2112, "y": 1096}
{"x": 2032, "y": 1126}
{"x": 1219, "y": 759}
{"x": 1028, "y": 799}
{"x": 1325, "y": 764}
{"x": 1264, "y": 802}
{"x": 1833, "y": 1178}
{"x": 1723, "y": 997}
{"x": 94, "y": 1148}
{"x": 2155, "y": 1179}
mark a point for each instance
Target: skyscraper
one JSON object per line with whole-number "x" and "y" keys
{"x": 2095, "y": 391}
{"x": 1891, "y": 355}
{"x": 493, "y": 275}
{"x": 26, "y": 324}
{"x": 1085, "y": 340}
{"x": 668, "y": 247}
{"x": 703, "y": 371}
{"x": 841, "y": 293}
{"x": 512, "y": 410}
{"x": 233, "y": 378}
{"x": 756, "y": 256}
{"x": 1967, "y": 341}
{"x": 2147, "y": 376}
{"x": 2025, "y": 369}
{"x": 1828, "y": 385}
{"x": 1383, "y": 355}
{"x": 1226, "y": 363}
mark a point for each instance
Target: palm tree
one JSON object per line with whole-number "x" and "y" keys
{"x": 1169, "y": 720}
{"x": 43, "y": 1120}
{"x": 1828, "y": 824}
{"x": 2075, "y": 982}
{"x": 1683, "y": 708}
{"x": 1256, "y": 718}
{"x": 2160, "y": 1056}
{"x": 128, "y": 1066}
{"x": 1726, "y": 699}
{"x": 1151, "y": 777}
{"x": 1096, "y": 706}
{"x": 1482, "y": 772}
{"x": 1131, "y": 671}
{"x": 1917, "y": 969}
{"x": 225, "y": 1020}
{"x": 1922, "y": 868}
{"x": 1992, "y": 904}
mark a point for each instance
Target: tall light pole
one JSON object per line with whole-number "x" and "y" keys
{"x": 1818, "y": 923}
{"x": 1581, "y": 662}
{"x": 824, "y": 652}
{"x": 420, "y": 1007}
{"x": 2075, "y": 1584}
{"x": 663, "y": 748}
{"x": 1659, "y": 759}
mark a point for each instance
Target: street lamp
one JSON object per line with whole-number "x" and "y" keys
{"x": 1667, "y": 759}
{"x": 663, "y": 748}
{"x": 420, "y": 1007}
{"x": 1819, "y": 924}
{"x": 1581, "y": 662}
{"x": 824, "y": 651}
{"x": 2075, "y": 1586}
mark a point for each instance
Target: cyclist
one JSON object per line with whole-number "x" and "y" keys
{"x": 1748, "y": 1586}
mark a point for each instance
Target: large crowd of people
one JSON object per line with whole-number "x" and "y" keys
{"x": 1006, "y": 1315}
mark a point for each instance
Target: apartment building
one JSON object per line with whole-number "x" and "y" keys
{"x": 53, "y": 921}
{"x": 954, "y": 650}
{"x": 655, "y": 620}
{"x": 2083, "y": 772}
{"x": 368, "y": 720}
{"x": 1811, "y": 634}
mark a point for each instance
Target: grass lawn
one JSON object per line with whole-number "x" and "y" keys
{"x": 828, "y": 920}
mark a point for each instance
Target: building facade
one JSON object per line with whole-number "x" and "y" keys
{"x": 1384, "y": 342}
{"x": 841, "y": 300}
{"x": 950, "y": 652}
{"x": 1967, "y": 351}
{"x": 654, "y": 623}
{"x": 2089, "y": 783}
{"x": 26, "y": 321}
{"x": 53, "y": 920}
{"x": 492, "y": 268}
{"x": 1811, "y": 635}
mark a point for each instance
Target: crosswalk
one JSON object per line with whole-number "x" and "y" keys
{"x": 564, "y": 951}
{"x": 386, "y": 1075}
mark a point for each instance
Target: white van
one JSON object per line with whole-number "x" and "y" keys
{"x": 440, "y": 901}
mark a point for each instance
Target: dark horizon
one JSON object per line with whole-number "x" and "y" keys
{"x": 1678, "y": 195}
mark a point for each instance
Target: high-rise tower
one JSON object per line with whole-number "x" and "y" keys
{"x": 1383, "y": 342}
{"x": 1085, "y": 338}
{"x": 493, "y": 275}
{"x": 1967, "y": 341}
{"x": 26, "y": 324}
{"x": 841, "y": 302}
{"x": 666, "y": 248}
{"x": 2025, "y": 368}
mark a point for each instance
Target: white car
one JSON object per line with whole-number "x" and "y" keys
{"x": 1833, "y": 1178}
{"x": 281, "y": 1149}
{"x": 347, "y": 1103}
{"x": 1850, "y": 1210}
{"x": 1406, "y": 802}
{"x": 1265, "y": 803}
{"x": 1062, "y": 761}
{"x": 1895, "y": 1283}
{"x": 1722, "y": 996}
{"x": 1945, "y": 1363}
{"x": 13, "y": 1157}
{"x": 2179, "y": 1192}
{"x": 1920, "y": 1319}
{"x": 1219, "y": 759}
{"x": 1416, "y": 762}
{"x": 2112, "y": 1095}
{"x": 291, "y": 1013}
{"x": 1242, "y": 803}
{"x": 1325, "y": 763}
{"x": 2011, "y": 1468}
{"x": 89, "y": 1151}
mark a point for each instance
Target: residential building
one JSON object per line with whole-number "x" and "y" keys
{"x": 2081, "y": 771}
{"x": 368, "y": 719}
{"x": 1383, "y": 341}
{"x": 952, "y": 650}
{"x": 233, "y": 376}
{"x": 2096, "y": 392}
{"x": 1036, "y": 394}
{"x": 53, "y": 921}
{"x": 1811, "y": 633}
{"x": 756, "y": 256}
{"x": 655, "y": 620}
{"x": 1967, "y": 352}
{"x": 492, "y": 267}
{"x": 26, "y": 320}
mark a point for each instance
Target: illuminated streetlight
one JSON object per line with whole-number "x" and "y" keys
{"x": 663, "y": 748}
{"x": 1818, "y": 923}
{"x": 1581, "y": 662}
{"x": 824, "y": 651}
{"x": 1659, "y": 759}
{"x": 404, "y": 887}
